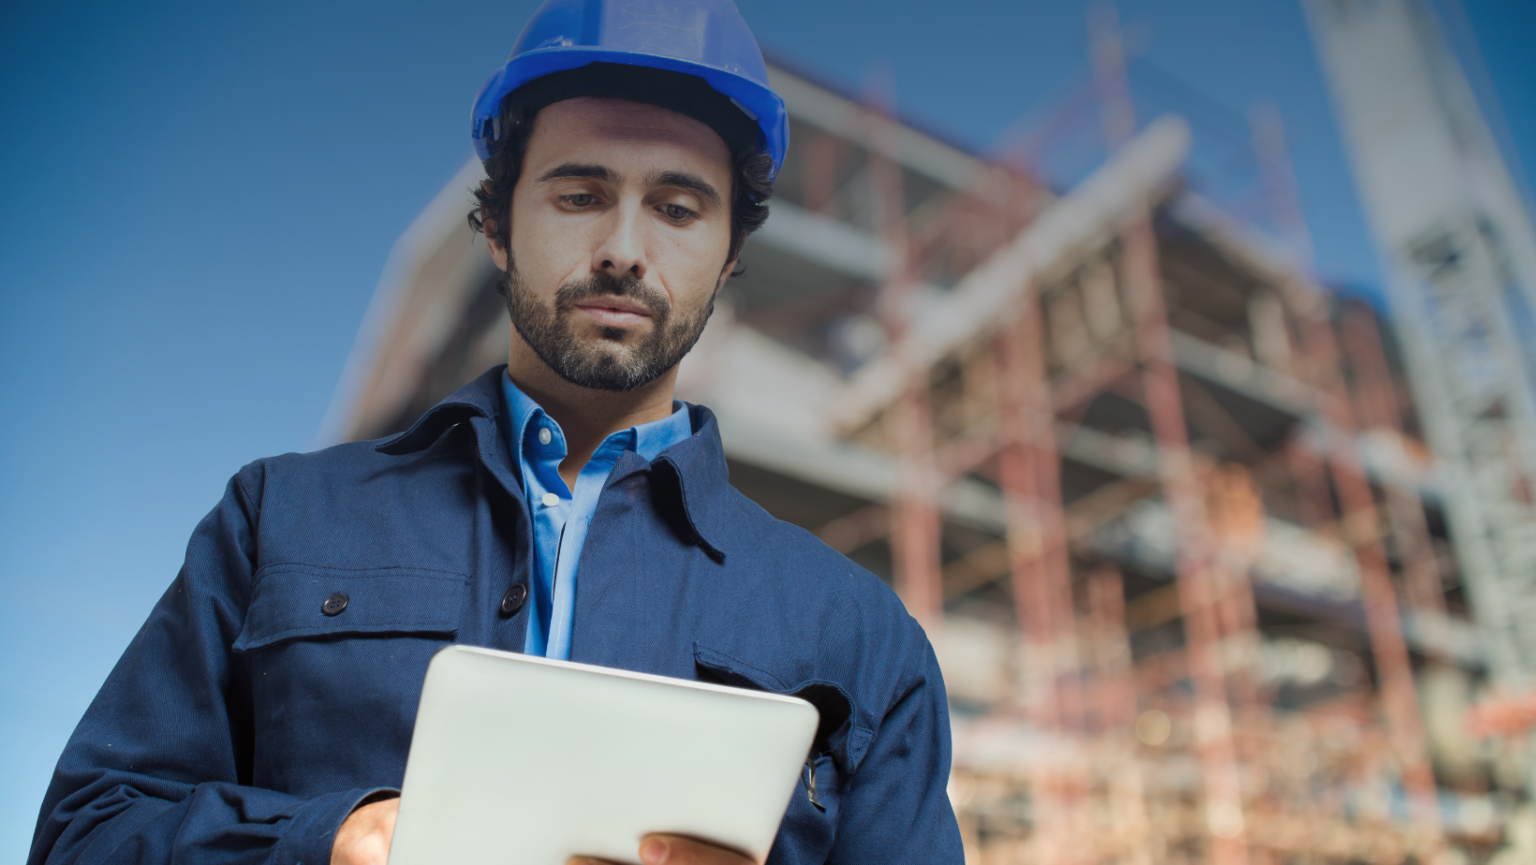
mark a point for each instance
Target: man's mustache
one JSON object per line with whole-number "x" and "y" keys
{"x": 607, "y": 285}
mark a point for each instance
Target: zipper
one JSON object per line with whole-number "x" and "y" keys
{"x": 810, "y": 783}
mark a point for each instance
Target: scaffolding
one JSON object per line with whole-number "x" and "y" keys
{"x": 1158, "y": 498}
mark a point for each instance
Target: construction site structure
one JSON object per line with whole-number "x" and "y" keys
{"x": 1157, "y": 497}
{"x": 1456, "y": 241}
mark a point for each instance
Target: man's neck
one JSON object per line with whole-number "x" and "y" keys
{"x": 585, "y": 415}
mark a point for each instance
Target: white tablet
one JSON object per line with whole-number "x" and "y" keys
{"x": 518, "y": 759}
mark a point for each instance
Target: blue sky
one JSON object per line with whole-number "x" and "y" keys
{"x": 196, "y": 201}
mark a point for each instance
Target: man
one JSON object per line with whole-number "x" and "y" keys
{"x": 564, "y": 505}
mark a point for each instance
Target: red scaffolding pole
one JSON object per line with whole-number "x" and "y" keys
{"x": 1181, "y": 488}
{"x": 1359, "y": 521}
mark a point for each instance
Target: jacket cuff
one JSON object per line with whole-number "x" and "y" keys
{"x": 312, "y": 829}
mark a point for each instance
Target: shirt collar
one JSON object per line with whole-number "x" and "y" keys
{"x": 646, "y": 439}
{"x": 521, "y": 409}
{"x": 708, "y": 501}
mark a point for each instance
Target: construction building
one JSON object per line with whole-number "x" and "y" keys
{"x": 1161, "y": 501}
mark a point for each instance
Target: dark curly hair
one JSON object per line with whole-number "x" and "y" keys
{"x": 751, "y": 180}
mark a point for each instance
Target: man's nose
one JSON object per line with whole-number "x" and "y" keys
{"x": 622, "y": 250}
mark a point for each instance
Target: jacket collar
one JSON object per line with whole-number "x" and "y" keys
{"x": 479, "y": 398}
{"x": 704, "y": 481}
{"x": 697, "y": 461}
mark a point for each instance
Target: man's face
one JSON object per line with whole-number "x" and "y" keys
{"x": 620, "y": 226}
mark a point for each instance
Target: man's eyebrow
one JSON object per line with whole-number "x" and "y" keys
{"x": 572, "y": 169}
{"x": 691, "y": 182}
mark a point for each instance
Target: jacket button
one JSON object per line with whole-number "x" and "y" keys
{"x": 513, "y": 600}
{"x": 334, "y": 604}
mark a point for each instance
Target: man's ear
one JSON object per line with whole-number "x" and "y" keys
{"x": 498, "y": 252}
{"x": 727, "y": 272}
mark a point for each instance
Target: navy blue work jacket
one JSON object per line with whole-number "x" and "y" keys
{"x": 243, "y": 724}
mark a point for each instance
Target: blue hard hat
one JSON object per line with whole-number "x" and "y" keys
{"x": 704, "y": 38}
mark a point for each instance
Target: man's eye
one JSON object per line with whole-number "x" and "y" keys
{"x": 676, "y": 211}
{"x": 580, "y": 199}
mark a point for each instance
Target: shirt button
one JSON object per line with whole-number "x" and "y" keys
{"x": 550, "y": 500}
{"x": 545, "y": 435}
{"x": 334, "y": 604}
{"x": 513, "y": 600}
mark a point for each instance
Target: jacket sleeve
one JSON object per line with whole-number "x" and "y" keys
{"x": 896, "y": 807}
{"x": 159, "y": 767}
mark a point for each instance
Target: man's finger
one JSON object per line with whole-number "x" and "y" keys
{"x": 364, "y": 836}
{"x": 676, "y": 850}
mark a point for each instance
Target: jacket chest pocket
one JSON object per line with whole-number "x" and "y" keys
{"x": 810, "y": 822}
{"x": 335, "y": 660}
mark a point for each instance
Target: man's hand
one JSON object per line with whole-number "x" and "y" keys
{"x": 364, "y": 836}
{"x": 672, "y": 850}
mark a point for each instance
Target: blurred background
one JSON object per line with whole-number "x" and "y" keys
{"x": 1171, "y": 359}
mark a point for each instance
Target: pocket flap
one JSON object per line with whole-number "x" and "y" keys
{"x": 292, "y": 601}
{"x": 838, "y": 732}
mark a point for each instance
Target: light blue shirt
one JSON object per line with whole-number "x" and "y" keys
{"x": 561, "y": 515}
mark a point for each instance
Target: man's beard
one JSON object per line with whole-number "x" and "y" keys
{"x": 610, "y": 361}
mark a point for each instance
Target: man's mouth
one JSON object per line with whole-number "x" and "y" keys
{"x": 612, "y": 311}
